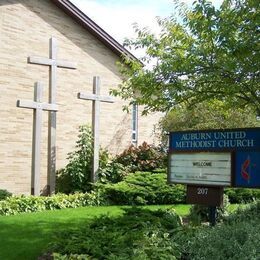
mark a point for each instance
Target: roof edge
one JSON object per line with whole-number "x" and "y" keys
{"x": 81, "y": 18}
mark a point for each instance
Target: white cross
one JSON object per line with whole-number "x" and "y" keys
{"x": 38, "y": 106}
{"x": 96, "y": 99}
{"x": 53, "y": 64}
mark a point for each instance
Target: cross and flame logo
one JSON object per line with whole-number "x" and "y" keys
{"x": 246, "y": 169}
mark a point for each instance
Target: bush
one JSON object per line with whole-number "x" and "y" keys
{"x": 244, "y": 213}
{"x": 113, "y": 172}
{"x": 242, "y": 195}
{"x": 138, "y": 234}
{"x": 144, "y": 188}
{"x": 57, "y": 256}
{"x": 200, "y": 213}
{"x": 4, "y": 194}
{"x": 237, "y": 238}
{"x": 19, "y": 204}
{"x": 75, "y": 177}
{"x": 143, "y": 158}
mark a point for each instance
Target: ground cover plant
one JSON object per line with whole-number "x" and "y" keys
{"x": 26, "y": 236}
{"x": 141, "y": 188}
{"x": 238, "y": 237}
{"x": 20, "y": 204}
{"x": 142, "y": 234}
{"x": 137, "y": 234}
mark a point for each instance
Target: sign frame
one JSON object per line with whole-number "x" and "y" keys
{"x": 196, "y": 183}
{"x": 202, "y": 137}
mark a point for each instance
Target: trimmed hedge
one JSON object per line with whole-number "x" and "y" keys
{"x": 19, "y": 204}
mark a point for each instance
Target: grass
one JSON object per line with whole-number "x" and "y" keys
{"x": 26, "y": 236}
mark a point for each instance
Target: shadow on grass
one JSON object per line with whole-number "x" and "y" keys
{"x": 139, "y": 233}
{"x": 27, "y": 238}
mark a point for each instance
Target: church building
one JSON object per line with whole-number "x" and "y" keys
{"x": 50, "y": 52}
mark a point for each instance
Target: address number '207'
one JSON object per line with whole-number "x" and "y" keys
{"x": 202, "y": 191}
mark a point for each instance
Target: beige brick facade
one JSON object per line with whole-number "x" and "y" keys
{"x": 25, "y": 29}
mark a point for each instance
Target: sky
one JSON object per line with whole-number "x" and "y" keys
{"x": 117, "y": 17}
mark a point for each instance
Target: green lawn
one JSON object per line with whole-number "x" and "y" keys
{"x": 26, "y": 236}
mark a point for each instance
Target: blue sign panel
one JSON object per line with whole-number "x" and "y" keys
{"x": 244, "y": 144}
{"x": 247, "y": 165}
{"x": 235, "y": 139}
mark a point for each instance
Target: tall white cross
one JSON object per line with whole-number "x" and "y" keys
{"x": 96, "y": 99}
{"x": 38, "y": 106}
{"x": 53, "y": 64}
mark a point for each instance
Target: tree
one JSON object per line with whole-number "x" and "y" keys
{"x": 207, "y": 115}
{"x": 207, "y": 54}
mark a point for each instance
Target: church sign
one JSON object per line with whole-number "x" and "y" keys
{"x": 220, "y": 158}
{"x": 201, "y": 168}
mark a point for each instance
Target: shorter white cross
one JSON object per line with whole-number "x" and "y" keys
{"x": 96, "y": 98}
{"x": 38, "y": 106}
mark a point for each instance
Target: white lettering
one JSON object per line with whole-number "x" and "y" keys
{"x": 178, "y": 144}
{"x": 202, "y": 191}
{"x": 236, "y": 143}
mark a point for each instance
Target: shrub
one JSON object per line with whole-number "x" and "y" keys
{"x": 4, "y": 194}
{"x": 113, "y": 172}
{"x": 57, "y": 256}
{"x": 75, "y": 177}
{"x": 138, "y": 234}
{"x": 143, "y": 158}
{"x": 245, "y": 213}
{"x": 242, "y": 195}
{"x": 19, "y": 204}
{"x": 237, "y": 238}
{"x": 144, "y": 188}
{"x": 200, "y": 213}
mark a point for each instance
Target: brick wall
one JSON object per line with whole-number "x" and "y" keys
{"x": 25, "y": 29}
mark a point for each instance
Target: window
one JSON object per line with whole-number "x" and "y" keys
{"x": 134, "y": 123}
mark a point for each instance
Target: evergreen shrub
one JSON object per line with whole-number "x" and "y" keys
{"x": 143, "y": 188}
{"x": 4, "y": 194}
{"x": 138, "y": 234}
